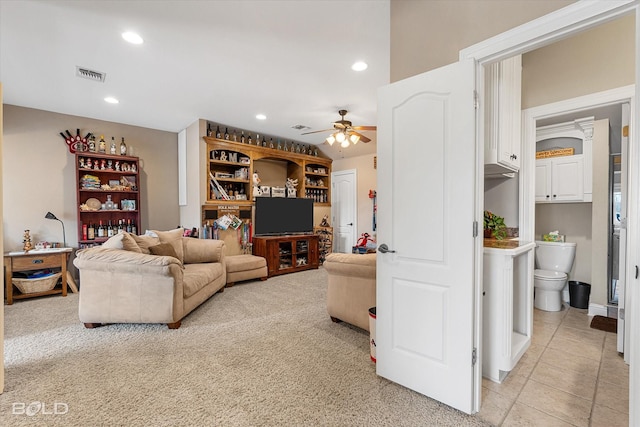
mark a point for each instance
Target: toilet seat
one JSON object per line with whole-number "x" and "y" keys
{"x": 549, "y": 275}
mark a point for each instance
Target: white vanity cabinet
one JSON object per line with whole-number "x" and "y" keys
{"x": 503, "y": 81}
{"x": 560, "y": 179}
{"x": 507, "y": 307}
{"x": 565, "y": 179}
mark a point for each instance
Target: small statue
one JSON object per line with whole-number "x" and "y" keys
{"x": 256, "y": 184}
{"x": 109, "y": 164}
{"x": 325, "y": 221}
{"x": 117, "y": 165}
{"x": 133, "y": 167}
{"x": 96, "y": 165}
{"x": 27, "y": 241}
{"x": 81, "y": 160}
{"x": 89, "y": 164}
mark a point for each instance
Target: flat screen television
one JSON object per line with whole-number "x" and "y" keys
{"x": 279, "y": 215}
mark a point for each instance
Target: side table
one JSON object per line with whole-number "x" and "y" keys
{"x": 37, "y": 260}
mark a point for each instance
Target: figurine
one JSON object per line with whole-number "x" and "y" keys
{"x": 109, "y": 164}
{"x": 325, "y": 221}
{"x": 117, "y": 165}
{"x": 89, "y": 164}
{"x": 81, "y": 162}
{"x": 133, "y": 167}
{"x": 27, "y": 241}
{"x": 256, "y": 184}
{"x": 103, "y": 164}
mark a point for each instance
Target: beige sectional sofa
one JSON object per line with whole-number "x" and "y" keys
{"x": 351, "y": 287}
{"x": 147, "y": 279}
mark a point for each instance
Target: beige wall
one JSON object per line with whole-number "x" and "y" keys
{"x": 40, "y": 174}
{"x": 367, "y": 180}
{"x": 600, "y": 213}
{"x": 598, "y": 59}
{"x": 427, "y": 34}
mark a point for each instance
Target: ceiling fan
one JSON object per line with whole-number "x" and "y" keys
{"x": 345, "y": 132}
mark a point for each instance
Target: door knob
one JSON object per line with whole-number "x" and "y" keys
{"x": 351, "y": 224}
{"x": 385, "y": 249}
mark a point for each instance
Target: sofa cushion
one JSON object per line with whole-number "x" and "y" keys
{"x": 114, "y": 242}
{"x": 174, "y": 238}
{"x": 140, "y": 244}
{"x": 197, "y": 276}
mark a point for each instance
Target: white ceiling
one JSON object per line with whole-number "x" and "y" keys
{"x": 220, "y": 60}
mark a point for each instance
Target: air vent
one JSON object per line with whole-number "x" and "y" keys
{"x": 300, "y": 127}
{"x": 86, "y": 73}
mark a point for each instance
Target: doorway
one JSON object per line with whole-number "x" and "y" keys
{"x": 343, "y": 209}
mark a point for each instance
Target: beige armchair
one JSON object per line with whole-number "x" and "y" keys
{"x": 351, "y": 287}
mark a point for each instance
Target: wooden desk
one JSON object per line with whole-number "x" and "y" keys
{"x": 35, "y": 260}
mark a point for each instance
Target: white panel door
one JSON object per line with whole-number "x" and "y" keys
{"x": 567, "y": 178}
{"x": 343, "y": 210}
{"x": 623, "y": 333}
{"x": 427, "y": 172}
{"x": 543, "y": 180}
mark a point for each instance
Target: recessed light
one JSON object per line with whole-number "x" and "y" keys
{"x": 261, "y": 117}
{"x": 359, "y": 66}
{"x": 132, "y": 38}
{"x": 111, "y": 100}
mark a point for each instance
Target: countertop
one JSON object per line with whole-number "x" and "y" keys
{"x": 507, "y": 246}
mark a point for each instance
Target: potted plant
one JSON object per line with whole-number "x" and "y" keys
{"x": 494, "y": 226}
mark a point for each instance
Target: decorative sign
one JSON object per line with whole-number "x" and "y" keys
{"x": 76, "y": 143}
{"x": 554, "y": 153}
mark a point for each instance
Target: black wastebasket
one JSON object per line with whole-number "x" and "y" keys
{"x": 579, "y": 294}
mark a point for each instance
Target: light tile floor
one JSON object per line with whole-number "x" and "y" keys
{"x": 571, "y": 375}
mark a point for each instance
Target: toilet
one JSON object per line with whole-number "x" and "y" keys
{"x": 553, "y": 262}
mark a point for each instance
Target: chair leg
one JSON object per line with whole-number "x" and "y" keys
{"x": 230, "y": 284}
{"x": 174, "y": 325}
{"x": 92, "y": 325}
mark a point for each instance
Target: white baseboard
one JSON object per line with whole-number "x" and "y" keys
{"x": 597, "y": 310}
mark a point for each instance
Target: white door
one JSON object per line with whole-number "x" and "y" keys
{"x": 623, "y": 333}
{"x": 427, "y": 311}
{"x": 567, "y": 178}
{"x": 543, "y": 180}
{"x": 343, "y": 210}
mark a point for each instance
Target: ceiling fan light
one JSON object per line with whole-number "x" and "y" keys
{"x": 345, "y": 143}
{"x": 331, "y": 139}
{"x": 340, "y": 137}
{"x": 354, "y": 138}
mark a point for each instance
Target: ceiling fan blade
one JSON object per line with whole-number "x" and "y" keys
{"x": 365, "y": 127}
{"x": 362, "y": 137}
{"x": 317, "y": 131}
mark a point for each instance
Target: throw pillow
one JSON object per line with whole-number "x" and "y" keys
{"x": 144, "y": 242}
{"x": 114, "y": 242}
{"x": 174, "y": 238}
{"x": 163, "y": 249}
{"x": 129, "y": 244}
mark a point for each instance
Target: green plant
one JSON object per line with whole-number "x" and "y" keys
{"x": 495, "y": 224}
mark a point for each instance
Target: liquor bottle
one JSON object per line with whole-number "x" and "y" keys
{"x": 134, "y": 229}
{"x": 264, "y": 141}
{"x": 286, "y": 146}
{"x": 101, "y": 231}
{"x": 129, "y": 226}
{"x": 297, "y": 148}
{"x": 226, "y": 133}
{"x": 91, "y": 232}
{"x": 102, "y": 145}
{"x": 112, "y": 148}
{"x": 271, "y": 143}
{"x": 279, "y": 145}
{"x": 249, "y": 141}
{"x": 209, "y": 131}
{"x": 258, "y": 139}
{"x": 85, "y": 228}
{"x": 123, "y": 148}
{"x": 218, "y": 134}
{"x": 304, "y": 149}
{"x": 234, "y": 136}
{"x": 242, "y": 140}
{"x": 110, "y": 230}
{"x": 92, "y": 143}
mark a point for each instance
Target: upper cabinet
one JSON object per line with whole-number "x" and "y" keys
{"x": 564, "y": 162}
{"x": 503, "y": 81}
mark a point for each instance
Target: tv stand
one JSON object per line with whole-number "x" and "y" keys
{"x": 287, "y": 254}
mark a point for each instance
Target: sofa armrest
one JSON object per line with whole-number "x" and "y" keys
{"x": 197, "y": 251}
{"x": 108, "y": 259}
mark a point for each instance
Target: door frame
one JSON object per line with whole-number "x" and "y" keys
{"x": 334, "y": 195}
{"x": 540, "y": 32}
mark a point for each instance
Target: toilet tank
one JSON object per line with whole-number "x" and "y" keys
{"x": 555, "y": 256}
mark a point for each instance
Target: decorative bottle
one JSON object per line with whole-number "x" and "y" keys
{"x": 226, "y": 133}
{"x": 242, "y": 140}
{"x": 218, "y": 134}
{"x": 112, "y": 148}
{"x": 123, "y": 148}
{"x": 102, "y": 145}
{"x": 92, "y": 143}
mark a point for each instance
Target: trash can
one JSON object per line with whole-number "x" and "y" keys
{"x": 372, "y": 333}
{"x": 579, "y": 294}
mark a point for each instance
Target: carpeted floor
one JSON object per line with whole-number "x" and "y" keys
{"x": 604, "y": 323}
{"x": 258, "y": 354}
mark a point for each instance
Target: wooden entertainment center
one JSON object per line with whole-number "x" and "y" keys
{"x": 287, "y": 254}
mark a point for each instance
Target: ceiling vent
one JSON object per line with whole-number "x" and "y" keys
{"x": 86, "y": 73}
{"x": 300, "y": 127}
